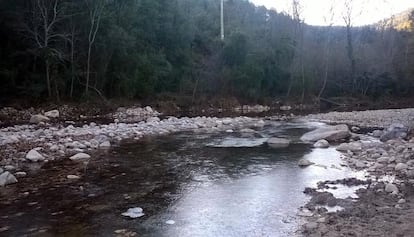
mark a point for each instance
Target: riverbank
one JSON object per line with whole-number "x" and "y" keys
{"x": 385, "y": 205}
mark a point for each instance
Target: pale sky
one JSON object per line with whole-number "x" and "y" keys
{"x": 365, "y": 12}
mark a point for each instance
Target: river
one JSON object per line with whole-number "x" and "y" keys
{"x": 201, "y": 184}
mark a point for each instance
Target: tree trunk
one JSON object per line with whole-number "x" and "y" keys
{"x": 303, "y": 83}
{"x": 72, "y": 62}
{"x": 57, "y": 94}
{"x": 47, "y": 68}
{"x": 351, "y": 58}
{"x": 326, "y": 66}
{"x": 88, "y": 63}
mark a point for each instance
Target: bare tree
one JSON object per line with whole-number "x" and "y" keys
{"x": 95, "y": 11}
{"x": 327, "y": 48}
{"x": 43, "y": 32}
{"x": 72, "y": 55}
{"x": 348, "y": 16}
{"x": 298, "y": 37}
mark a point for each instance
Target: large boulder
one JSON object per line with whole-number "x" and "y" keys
{"x": 391, "y": 188}
{"x": 321, "y": 144}
{"x": 285, "y": 108}
{"x": 304, "y": 163}
{"x": 80, "y": 157}
{"x": 38, "y": 118}
{"x": 329, "y": 133}
{"x": 105, "y": 145}
{"x": 401, "y": 166}
{"x": 276, "y": 142}
{"x": 34, "y": 156}
{"x": 352, "y": 146}
{"x": 7, "y": 178}
{"x": 395, "y": 131}
{"x": 52, "y": 114}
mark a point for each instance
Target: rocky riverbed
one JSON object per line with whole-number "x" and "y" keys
{"x": 369, "y": 118}
{"x": 384, "y": 205}
{"x": 385, "y": 202}
{"x": 26, "y": 147}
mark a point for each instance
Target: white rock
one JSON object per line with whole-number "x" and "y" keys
{"x": 227, "y": 121}
{"x": 352, "y": 146}
{"x": 321, "y": 220}
{"x": 276, "y": 142}
{"x": 54, "y": 148}
{"x": 7, "y": 178}
{"x": 153, "y": 120}
{"x": 149, "y": 109}
{"x": 355, "y": 129}
{"x": 247, "y": 130}
{"x": 391, "y": 188}
{"x": 34, "y": 156}
{"x": 80, "y": 156}
{"x": 238, "y": 142}
{"x": 9, "y": 168}
{"x": 329, "y": 133}
{"x": 105, "y": 144}
{"x": 94, "y": 143}
{"x": 321, "y": 144}
{"x": 402, "y": 201}
{"x": 304, "y": 163}
{"x": 72, "y": 176}
{"x": 38, "y": 118}
{"x": 135, "y": 212}
{"x": 383, "y": 159}
{"x": 359, "y": 164}
{"x": 285, "y": 108}
{"x": 401, "y": 166}
{"x": 305, "y": 213}
{"x": 395, "y": 131}
{"x": 377, "y": 133}
{"x": 20, "y": 174}
{"x": 52, "y": 114}
{"x": 170, "y": 222}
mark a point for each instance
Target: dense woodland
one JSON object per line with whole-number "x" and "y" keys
{"x": 137, "y": 49}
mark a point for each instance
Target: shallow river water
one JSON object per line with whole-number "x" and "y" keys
{"x": 199, "y": 182}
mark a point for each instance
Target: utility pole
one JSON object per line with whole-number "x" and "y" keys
{"x": 222, "y": 20}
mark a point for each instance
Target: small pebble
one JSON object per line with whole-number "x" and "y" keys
{"x": 72, "y": 176}
{"x": 401, "y": 201}
{"x": 170, "y": 222}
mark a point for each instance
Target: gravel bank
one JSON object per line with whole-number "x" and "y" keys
{"x": 370, "y": 118}
{"x": 23, "y": 147}
{"x": 385, "y": 207}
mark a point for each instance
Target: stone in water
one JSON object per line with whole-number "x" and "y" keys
{"x": 135, "y": 212}
{"x": 170, "y": 222}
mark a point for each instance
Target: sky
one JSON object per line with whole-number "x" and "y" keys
{"x": 316, "y": 12}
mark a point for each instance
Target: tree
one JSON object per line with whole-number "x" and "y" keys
{"x": 95, "y": 11}
{"x": 347, "y": 16}
{"x": 326, "y": 51}
{"x": 297, "y": 67}
{"x": 43, "y": 29}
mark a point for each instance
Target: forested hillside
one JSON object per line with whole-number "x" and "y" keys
{"x": 137, "y": 49}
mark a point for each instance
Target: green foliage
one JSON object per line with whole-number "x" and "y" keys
{"x": 149, "y": 47}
